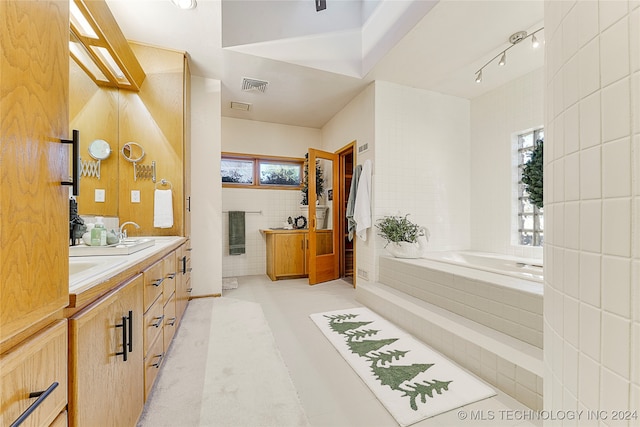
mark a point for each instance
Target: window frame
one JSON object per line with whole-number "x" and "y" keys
{"x": 537, "y": 214}
{"x": 257, "y": 160}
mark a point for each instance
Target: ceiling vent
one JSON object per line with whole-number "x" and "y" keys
{"x": 254, "y": 85}
{"x": 242, "y": 106}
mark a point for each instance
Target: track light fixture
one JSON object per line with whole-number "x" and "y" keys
{"x": 514, "y": 39}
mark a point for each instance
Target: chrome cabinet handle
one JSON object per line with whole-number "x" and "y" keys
{"x": 171, "y": 275}
{"x": 171, "y": 322}
{"x": 158, "y": 282}
{"x": 75, "y": 164}
{"x": 41, "y": 395}
{"x": 158, "y": 322}
{"x": 157, "y": 364}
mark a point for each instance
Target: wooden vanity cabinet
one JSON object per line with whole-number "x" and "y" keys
{"x": 286, "y": 255}
{"x": 183, "y": 282}
{"x": 106, "y": 351}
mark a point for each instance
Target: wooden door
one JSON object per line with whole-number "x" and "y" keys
{"x": 34, "y": 207}
{"x": 106, "y": 389}
{"x": 324, "y": 256}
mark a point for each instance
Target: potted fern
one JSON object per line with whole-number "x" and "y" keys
{"x": 405, "y": 239}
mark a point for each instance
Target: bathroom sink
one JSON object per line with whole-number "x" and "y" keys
{"x": 76, "y": 267}
{"x": 126, "y": 247}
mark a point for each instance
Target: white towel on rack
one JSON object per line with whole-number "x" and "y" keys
{"x": 362, "y": 210}
{"x": 163, "y": 209}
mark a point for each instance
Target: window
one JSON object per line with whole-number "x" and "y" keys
{"x": 252, "y": 171}
{"x": 530, "y": 217}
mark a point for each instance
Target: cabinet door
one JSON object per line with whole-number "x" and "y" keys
{"x": 34, "y": 207}
{"x": 183, "y": 284}
{"x": 289, "y": 254}
{"x": 34, "y": 366}
{"x": 104, "y": 388}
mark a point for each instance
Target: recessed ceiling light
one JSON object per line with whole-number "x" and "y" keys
{"x": 185, "y": 4}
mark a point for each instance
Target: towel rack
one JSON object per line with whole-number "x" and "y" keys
{"x": 249, "y": 212}
{"x": 165, "y": 182}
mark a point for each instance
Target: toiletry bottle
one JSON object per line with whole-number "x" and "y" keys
{"x": 99, "y": 233}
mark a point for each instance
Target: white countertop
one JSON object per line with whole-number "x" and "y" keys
{"x": 103, "y": 267}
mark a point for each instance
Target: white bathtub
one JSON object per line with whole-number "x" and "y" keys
{"x": 522, "y": 268}
{"x": 502, "y": 292}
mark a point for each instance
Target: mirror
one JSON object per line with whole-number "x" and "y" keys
{"x": 93, "y": 110}
{"x": 133, "y": 152}
{"x": 99, "y": 149}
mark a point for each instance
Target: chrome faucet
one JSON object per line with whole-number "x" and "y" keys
{"x": 123, "y": 233}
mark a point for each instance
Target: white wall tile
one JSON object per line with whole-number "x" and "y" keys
{"x": 572, "y": 176}
{"x": 572, "y": 129}
{"x": 571, "y": 84}
{"x": 590, "y": 123}
{"x": 616, "y": 227}
{"x": 571, "y": 284}
{"x": 590, "y": 174}
{"x": 616, "y": 168}
{"x": 635, "y": 354}
{"x": 614, "y": 48}
{"x": 570, "y": 34}
{"x": 572, "y": 225}
{"x": 570, "y": 369}
{"x": 611, "y": 12}
{"x": 588, "y": 21}
{"x": 590, "y": 283}
{"x": 614, "y": 391}
{"x": 571, "y": 329}
{"x": 591, "y": 225}
{"x": 590, "y": 331}
{"x": 616, "y": 280}
{"x": 615, "y": 343}
{"x": 589, "y": 382}
{"x": 589, "y": 76}
{"x": 616, "y": 111}
{"x": 634, "y": 37}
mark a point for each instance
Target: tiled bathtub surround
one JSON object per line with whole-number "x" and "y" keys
{"x": 592, "y": 202}
{"x": 509, "y": 305}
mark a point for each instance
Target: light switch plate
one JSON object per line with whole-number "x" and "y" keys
{"x": 99, "y": 195}
{"x": 135, "y": 196}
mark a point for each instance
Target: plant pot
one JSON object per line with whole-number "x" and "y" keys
{"x": 404, "y": 249}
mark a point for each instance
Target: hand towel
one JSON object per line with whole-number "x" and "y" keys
{"x": 351, "y": 203}
{"x": 236, "y": 233}
{"x": 362, "y": 211}
{"x": 163, "y": 209}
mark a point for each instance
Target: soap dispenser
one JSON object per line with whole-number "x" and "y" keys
{"x": 99, "y": 233}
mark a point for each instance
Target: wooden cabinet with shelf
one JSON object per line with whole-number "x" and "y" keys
{"x": 106, "y": 346}
{"x": 288, "y": 252}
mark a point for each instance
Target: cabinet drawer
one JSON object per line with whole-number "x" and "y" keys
{"x": 152, "y": 364}
{"x": 60, "y": 421}
{"x": 170, "y": 321}
{"x": 170, "y": 276}
{"x": 153, "y": 321}
{"x": 34, "y": 367}
{"x": 153, "y": 284}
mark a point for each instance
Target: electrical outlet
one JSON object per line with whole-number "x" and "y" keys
{"x": 99, "y": 195}
{"x": 135, "y": 196}
{"x": 364, "y": 274}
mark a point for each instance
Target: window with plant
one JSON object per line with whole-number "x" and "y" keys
{"x": 530, "y": 188}
{"x": 251, "y": 171}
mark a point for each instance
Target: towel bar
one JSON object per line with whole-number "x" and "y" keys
{"x": 249, "y": 212}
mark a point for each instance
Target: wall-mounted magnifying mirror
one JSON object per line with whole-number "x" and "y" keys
{"x": 133, "y": 152}
{"x": 99, "y": 149}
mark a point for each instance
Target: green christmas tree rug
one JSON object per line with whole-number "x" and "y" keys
{"x": 410, "y": 379}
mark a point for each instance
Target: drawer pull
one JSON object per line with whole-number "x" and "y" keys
{"x": 189, "y": 290}
{"x": 189, "y": 249}
{"x": 157, "y": 364}
{"x": 41, "y": 395}
{"x": 171, "y": 321}
{"x": 130, "y": 345}
{"x": 158, "y": 282}
{"x": 125, "y": 330}
{"x": 184, "y": 264}
{"x": 171, "y": 275}
{"x": 189, "y": 270}
{"x": 158, "y": 322}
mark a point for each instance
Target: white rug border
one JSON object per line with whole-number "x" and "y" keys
{"x": 393, "y": 400}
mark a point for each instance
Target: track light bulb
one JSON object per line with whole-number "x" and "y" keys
{"x": 534, "y": 41}
{"x": 503, "y": 59}
{"x": 479, "y": 76}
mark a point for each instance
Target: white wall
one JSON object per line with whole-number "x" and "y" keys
{"x": 206, "y": 189}
{"x": 592, "y": 207}
{"x": 496, "y": 119}
{"x": 422, "y": 162}
{"x": 252, "y": 137}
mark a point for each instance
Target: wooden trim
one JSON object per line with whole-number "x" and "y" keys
{"x": 257, "y": 159}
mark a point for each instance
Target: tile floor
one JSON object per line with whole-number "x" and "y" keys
{"x": 341, "y": 399}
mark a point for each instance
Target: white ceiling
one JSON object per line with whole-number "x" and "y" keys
{"x": 316, "y": 65}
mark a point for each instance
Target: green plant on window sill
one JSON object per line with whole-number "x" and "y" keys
{"x": 398, "y": 229}
{"x": 532, "y": 175}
